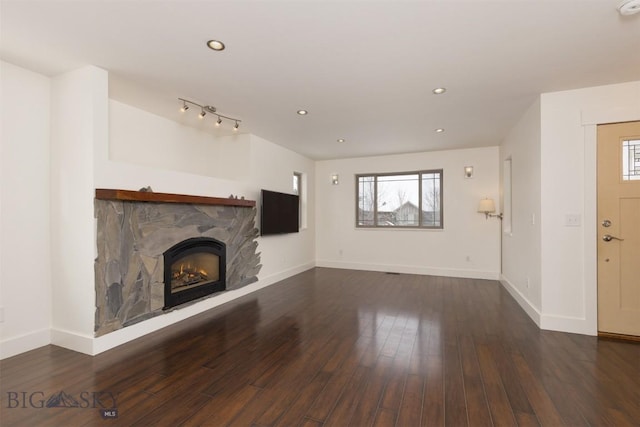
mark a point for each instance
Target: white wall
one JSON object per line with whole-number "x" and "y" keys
{"x": 568, "y": 180}
{"x": 521, "y": 245}
{"x": 444, "y": 252}
{"x": 152, "y": 141}
{"x": 145, "y": 149}
{"x": 79, "y": 118}
{"x": 25, "y": 254}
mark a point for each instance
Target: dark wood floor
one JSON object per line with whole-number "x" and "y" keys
{"x": 339, "y": 348}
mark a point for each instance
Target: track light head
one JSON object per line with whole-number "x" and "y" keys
{"x": 204, "y": 109}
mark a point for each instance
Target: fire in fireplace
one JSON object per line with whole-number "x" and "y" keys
{"x": 193, "y": 268}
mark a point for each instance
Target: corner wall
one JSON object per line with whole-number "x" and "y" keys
{"x": 25, "y": 252}
{"x": 79, "y": 118}
{"x": 521, "y": 252}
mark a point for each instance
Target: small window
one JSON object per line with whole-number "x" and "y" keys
{"x": 298, "y": 188}
{"x": 400, "y": 200}
{"x": 507, "y": 196}
{"x": 297, "y": 183}
{"x": 631, "y": 160}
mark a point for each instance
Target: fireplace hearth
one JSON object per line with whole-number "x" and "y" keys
{"x": 193, "y": 268}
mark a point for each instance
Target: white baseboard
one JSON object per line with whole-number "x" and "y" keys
{"x": 573, "y": 325}
{"x": 523, "y": 301}
{"x": 269, "y": 280}
{"x": 410, "y": 269}
{"x": 72, "y": 341}
{"x": 23, "y": 343}
{"x": 549, "y": 322}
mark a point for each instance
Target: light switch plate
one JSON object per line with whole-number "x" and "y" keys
{"x": 572, "y": 220}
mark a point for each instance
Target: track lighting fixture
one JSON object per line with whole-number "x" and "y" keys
{"x": 204, "y": 109}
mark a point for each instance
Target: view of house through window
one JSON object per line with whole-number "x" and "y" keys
{"x": 404, "y": 199}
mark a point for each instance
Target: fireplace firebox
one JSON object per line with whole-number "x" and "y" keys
{"x": 193, "y": 268}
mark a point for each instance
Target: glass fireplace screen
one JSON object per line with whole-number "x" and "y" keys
{"x": 194, "y": 270}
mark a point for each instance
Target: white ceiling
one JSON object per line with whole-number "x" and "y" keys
{"x": 365, "y": 70}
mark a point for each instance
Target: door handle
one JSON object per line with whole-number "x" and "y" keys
{"x": 609, "y": 237}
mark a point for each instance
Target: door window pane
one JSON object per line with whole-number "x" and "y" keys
{"x": 631, "y": 160}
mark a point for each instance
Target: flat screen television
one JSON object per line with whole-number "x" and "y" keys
{"x": 279, "y": 213}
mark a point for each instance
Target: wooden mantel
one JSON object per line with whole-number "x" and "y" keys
{"x": 144, "y": 196}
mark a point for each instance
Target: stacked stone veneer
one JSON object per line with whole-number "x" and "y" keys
{"x": 132, "y": 238}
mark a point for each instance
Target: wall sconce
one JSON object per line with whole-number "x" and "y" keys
{"x": 487, "y": 207}
{"x": 334, "y": 179}
{"x": 468, "y": 171}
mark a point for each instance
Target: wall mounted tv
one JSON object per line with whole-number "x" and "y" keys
{"x": 279, "y": 213}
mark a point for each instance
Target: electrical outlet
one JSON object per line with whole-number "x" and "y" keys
{"x": 528, "y": 283}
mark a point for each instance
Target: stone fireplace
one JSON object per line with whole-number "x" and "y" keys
{"x": 193, "y": 268}
{"x": 206, "y": 244}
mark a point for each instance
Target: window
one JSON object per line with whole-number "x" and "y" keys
{"x": 400, "y": 200}
{"x": 631, "y": 160}
{"x": 297, "y": 183}
{"x": 506, "y": 196}
{"x": 298, "y": 188}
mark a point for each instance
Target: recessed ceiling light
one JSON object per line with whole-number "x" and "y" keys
{"x": 340, "y": 139}
{"x": 215, "y": 45}
{"x": 302, "y": 112}
{"x": 439, "y": 130}
{"x": 629, "y": 7}
{"x": 439, "y": 90}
